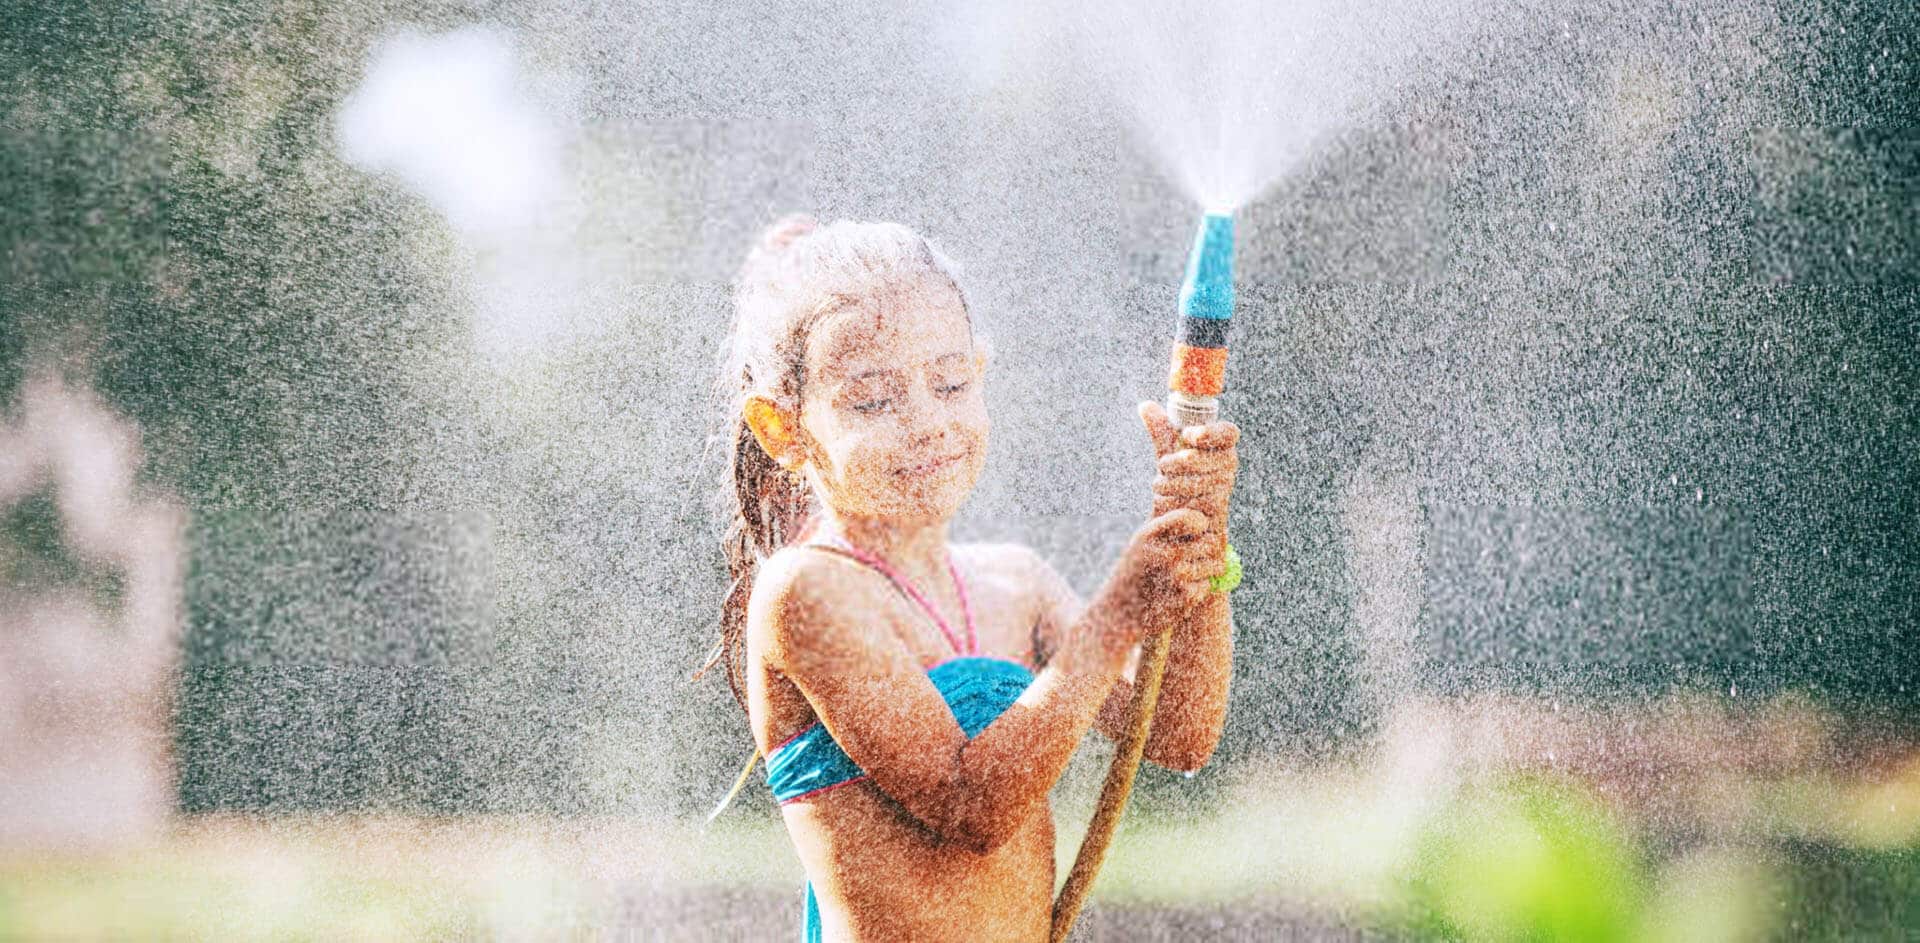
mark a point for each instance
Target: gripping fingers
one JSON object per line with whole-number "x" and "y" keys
{"x": 1199, "y": 566}
{"x": 1192, "y": 585}
{"x": 1175, "y": 526}
{"x": 1203, "y": 494}
{"x": 1190, "y": 462}
{"x": 1191, "y": 486}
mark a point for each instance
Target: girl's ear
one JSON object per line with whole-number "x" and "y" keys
{"x": 774, "y": 428}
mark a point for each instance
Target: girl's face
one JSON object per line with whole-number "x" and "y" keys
{"x": 895, "y": 421}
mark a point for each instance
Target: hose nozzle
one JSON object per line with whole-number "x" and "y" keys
{"x": 1206, "y": 308}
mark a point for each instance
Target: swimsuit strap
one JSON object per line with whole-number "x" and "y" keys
{"x": 907, "y": 588}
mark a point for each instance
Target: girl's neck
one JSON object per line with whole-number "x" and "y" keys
{"x": 918, "y": 551}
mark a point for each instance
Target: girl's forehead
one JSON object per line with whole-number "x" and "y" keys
{"x": 916, "y": 328}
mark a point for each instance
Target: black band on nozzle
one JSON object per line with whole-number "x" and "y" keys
{"x": 1204, "y": 332}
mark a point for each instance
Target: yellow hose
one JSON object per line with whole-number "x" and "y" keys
{"x": 1119, "y": 785}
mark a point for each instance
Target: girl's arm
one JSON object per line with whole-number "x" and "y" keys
{"x": 876, "y": 701}
{"x": 1193, "y": 692}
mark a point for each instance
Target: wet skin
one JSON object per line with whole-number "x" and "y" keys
{"x": 952, "y": 839}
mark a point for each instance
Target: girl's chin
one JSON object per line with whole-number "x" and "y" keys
{"x": 917, "y": 510}
{"x": 925, "y": 514}
{"x": 940, "y": 502}
{"x": 902, "y": 502}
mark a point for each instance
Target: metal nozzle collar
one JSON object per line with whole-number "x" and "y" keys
{"x": 1185, "y": 410}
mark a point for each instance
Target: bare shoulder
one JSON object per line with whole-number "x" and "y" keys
{"x": 795, "y": 596}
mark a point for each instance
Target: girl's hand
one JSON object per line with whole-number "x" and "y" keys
{"x": 1167, "y": 565}
{"x": 1197, "y": 466}
{"x": 1158, "y": 575}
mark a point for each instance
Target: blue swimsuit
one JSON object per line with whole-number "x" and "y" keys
{"x": 977, "y": 689}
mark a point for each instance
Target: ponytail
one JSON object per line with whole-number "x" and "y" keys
{"x": 770, "y": 506}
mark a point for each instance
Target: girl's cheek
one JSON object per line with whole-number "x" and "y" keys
{"x": 869, "y": 459}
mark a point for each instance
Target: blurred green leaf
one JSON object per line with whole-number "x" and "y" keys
{"x": 1527, "y": 859}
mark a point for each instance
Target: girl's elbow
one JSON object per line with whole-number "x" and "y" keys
{"x": 981, "y": 835}
{"x": 1188, "y": 756}
{"x": 976, "y": 843}
{"x": 976, "y": 818}
{"x": 977, "y": 823}
{"x": 1186, "y": 761}
{"x": 1187, "y": 744}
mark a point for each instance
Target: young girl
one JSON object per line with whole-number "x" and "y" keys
{"x": 916, "y": 700}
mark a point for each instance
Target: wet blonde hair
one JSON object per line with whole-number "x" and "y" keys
{"x": 796, "y": 274}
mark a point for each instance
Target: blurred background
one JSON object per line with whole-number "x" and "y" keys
{"x": 358, "y": 471}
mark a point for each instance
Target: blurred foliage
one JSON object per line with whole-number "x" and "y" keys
{"x": 1636, "y": 308}
{"x": 1528, "y": 860}
{"x": 1515, "y": 858}
{"x": 184, "y": 237}
{"x": 181, "y": 236}
{"x": 299, "y": 877}
{"x": 1537, "y": 859}
{"x": 34, "y": 552}
{"x": 1852, "y": 894}
{"x": 196, "y": 896}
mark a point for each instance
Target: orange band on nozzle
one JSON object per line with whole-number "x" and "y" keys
{"x": 1198, "y": 371}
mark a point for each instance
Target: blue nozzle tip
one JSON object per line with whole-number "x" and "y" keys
{"x": 1208, "y": 289}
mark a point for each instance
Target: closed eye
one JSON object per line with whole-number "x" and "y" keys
{"x": 953, "y": 388}
{"x": 871, "y": 406}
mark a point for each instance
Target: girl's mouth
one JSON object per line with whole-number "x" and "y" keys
{"x": 930, "y": 467}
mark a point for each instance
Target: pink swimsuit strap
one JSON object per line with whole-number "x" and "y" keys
{"x": 900, "y": 582}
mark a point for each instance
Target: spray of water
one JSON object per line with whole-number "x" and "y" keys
{"x": 1230, "y": 95}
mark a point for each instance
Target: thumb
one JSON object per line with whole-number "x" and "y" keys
{"x": 1159, "y": 428}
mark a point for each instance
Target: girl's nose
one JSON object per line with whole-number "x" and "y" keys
{"x": 925, "y": 415}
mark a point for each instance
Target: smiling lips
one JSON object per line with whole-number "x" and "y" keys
{"x": 938, "y": 464}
